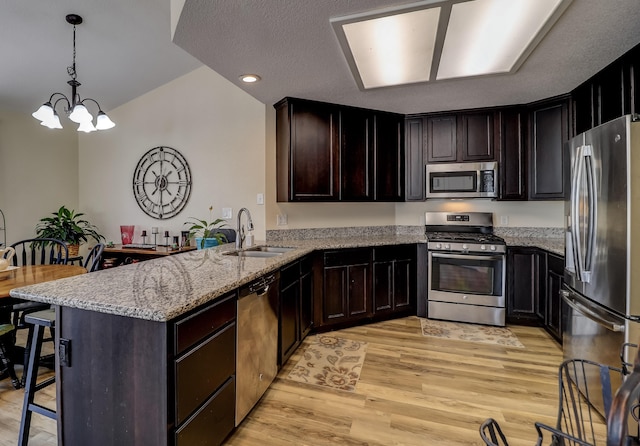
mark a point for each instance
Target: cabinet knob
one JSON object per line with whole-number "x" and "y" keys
{"x": 261, "y": 376}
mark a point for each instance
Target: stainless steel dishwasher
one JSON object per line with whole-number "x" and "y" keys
{"x": 257, "y": 341}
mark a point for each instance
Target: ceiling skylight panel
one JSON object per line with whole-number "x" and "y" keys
{"x": 395, "y": 49}
{"x": 494, "y": 36}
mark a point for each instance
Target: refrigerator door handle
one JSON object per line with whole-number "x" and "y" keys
{"x": 592, "y": 216}
{"x": 609, "y": 325}
{"x": 575, "y": 212}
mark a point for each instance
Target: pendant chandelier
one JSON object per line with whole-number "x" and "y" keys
{"x": 74, "y": 108}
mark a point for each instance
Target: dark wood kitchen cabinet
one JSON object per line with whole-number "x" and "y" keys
{"x": 461, "y": 137}
{"x": 389, "y": 157}
{"x": 346, "y": 287}
{"x": 549, "y": 130}
{"x": 394, "y": 279}
{"x": 524, "y": 285}
{"x": 307, "y": 151}
{"x": 356, "y": 155}
{"x": 554, "y": 280}
{"x": 140, "y": 381}
{"x": 330, "y": 152}
{"x": 512, "y": 166}
{"x": 415, "y": 184}
{"x": 296, "y": 306}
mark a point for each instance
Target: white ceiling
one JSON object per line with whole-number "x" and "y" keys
{"x": 124, "y": 49}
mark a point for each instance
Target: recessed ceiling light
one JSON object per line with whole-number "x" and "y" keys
{"x": 443, "y": 39}
{"x": 249, "y": 78}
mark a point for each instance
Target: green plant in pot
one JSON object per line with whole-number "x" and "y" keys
{"x": 206, "y": 232}
{"x": 68, "y": 226}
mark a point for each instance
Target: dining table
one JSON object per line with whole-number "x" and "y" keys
{"x": 19, "y": 276}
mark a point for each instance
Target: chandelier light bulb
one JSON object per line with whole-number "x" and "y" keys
{"x": 103, "y": 122}
{"x": 53, "y": 122}
{"x": 86, "y": 127}
{"x": 44, "y": 113}
{"x": 80, "y": 114}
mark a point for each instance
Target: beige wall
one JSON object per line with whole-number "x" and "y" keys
{"x": 215, "y": 125}
{"x": 38, "y": 172}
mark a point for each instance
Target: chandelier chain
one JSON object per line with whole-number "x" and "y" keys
{"x": 72, "y": 69}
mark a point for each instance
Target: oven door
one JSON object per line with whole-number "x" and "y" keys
{"x": 473, "y": 279}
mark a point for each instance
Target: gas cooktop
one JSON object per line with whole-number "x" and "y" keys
{"x": 463, "y": 237}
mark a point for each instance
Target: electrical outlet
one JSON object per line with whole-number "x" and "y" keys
{"x": 227, "y": 213}
{"x": 282, "y": 220}
{"x": 260, "y": 199}
{"x": 504, "y": 220}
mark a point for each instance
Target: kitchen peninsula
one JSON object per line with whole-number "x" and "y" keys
{"x": 135, "y": 331}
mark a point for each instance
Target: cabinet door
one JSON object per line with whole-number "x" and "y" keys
{"x": 382, "y": 287}
{"x": 583, "y": 108}
{"x": 610, "y": 93}
{"x": 414, "y": 167}
{"x": 441, "y": 139}
{"x": 307, "y": 151}
{"x": 523, "y": 285}
{"x": 403, "y": 284}
{"x": 477, "y": 137}
{"x": 306, "y": 303}
{"x": 356, "y": 141}
{"x": 549, "y": 132}
{"x": 389, "y": 160}
{"x": 289, "y": 298}
{"x": 555, "y": 276}
{"x": 512, "y": 155}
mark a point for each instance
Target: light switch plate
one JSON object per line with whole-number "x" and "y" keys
{"x": 282, "y": 220}
{"x": 227, "y": 213}
{"x": 504, "y": 220}
{"x": 260, "y": 199}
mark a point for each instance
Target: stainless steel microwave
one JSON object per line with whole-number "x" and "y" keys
{"x": 462, "y": 180}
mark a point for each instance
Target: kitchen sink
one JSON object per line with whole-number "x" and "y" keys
{"x": 252, "y": 254}
{"x": 259, "y": 251}
{"x": 269, "y": 249}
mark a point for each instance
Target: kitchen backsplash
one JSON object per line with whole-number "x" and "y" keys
{"x": 376, "y": 231}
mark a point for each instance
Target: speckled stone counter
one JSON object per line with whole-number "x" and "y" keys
{"x": 162, "y": 289}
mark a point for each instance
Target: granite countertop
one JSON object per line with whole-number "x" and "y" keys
{"x": 164, "y": 288}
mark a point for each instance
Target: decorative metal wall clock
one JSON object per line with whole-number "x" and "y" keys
{"x": 162, "y": 182}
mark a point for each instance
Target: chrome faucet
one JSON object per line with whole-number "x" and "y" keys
{"x": 240, "y": 235}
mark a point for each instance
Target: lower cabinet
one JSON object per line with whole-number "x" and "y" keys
{"x": 138, "y": 381}
{"x": 361, "y": 284}
{"x": 346, "y": 293}
{"x": 394, "y": 279}
{"x": 534, "y": 281}
{"x": 296, "y": 306}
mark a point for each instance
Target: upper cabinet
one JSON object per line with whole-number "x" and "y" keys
{"x": 512, "y": 166}
{"x": 460, "y": 137}
{"x": 548, "y": 131}
{"x": 307, "y": 151}
{"x": 328, "y": 152}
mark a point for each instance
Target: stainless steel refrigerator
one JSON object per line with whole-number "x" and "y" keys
{"x": 601, "y": 294}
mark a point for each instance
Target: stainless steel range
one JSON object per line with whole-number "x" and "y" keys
{"x": 466, "y": 268}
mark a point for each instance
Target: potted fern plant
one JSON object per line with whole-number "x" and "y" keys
{"x": 68, "y": 226}
{"x": 206, "y": 232}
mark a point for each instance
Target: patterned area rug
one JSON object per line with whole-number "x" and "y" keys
{"x": 470, "y": 332}
{"x": 331, "y": 362}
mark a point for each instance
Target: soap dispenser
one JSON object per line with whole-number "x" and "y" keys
{"x": 248, "y": 241}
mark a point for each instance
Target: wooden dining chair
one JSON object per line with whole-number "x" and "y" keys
{"x": 92, "y": 263}
{"x": 40, "y": 251}
{"x": 7, "y": 332}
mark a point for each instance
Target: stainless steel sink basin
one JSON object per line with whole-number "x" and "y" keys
{"x": 259, "y": 251}
{"x": 252, "y": 254}
{"x": 269, "y": 249}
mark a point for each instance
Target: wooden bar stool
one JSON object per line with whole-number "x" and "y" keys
{"x": 40, "y": 320}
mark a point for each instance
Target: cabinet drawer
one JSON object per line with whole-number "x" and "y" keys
{"x": 202, "y": 370}
{"x": 390, "y": 253}
{"x": 212, "y": 423}
{"x": 347, "y": 257}
{"x": 289, "y": 274}
{"x": 199, "y": 325}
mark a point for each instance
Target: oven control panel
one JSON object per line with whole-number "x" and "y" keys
{"x": 485, "y": 248}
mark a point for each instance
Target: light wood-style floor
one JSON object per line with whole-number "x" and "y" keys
{"x": 413, "y": 390}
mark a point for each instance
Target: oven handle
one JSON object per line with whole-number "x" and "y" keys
{"x": 466, "y": 256}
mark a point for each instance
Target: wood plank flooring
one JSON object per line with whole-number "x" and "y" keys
{"x": 413, "y": 390}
